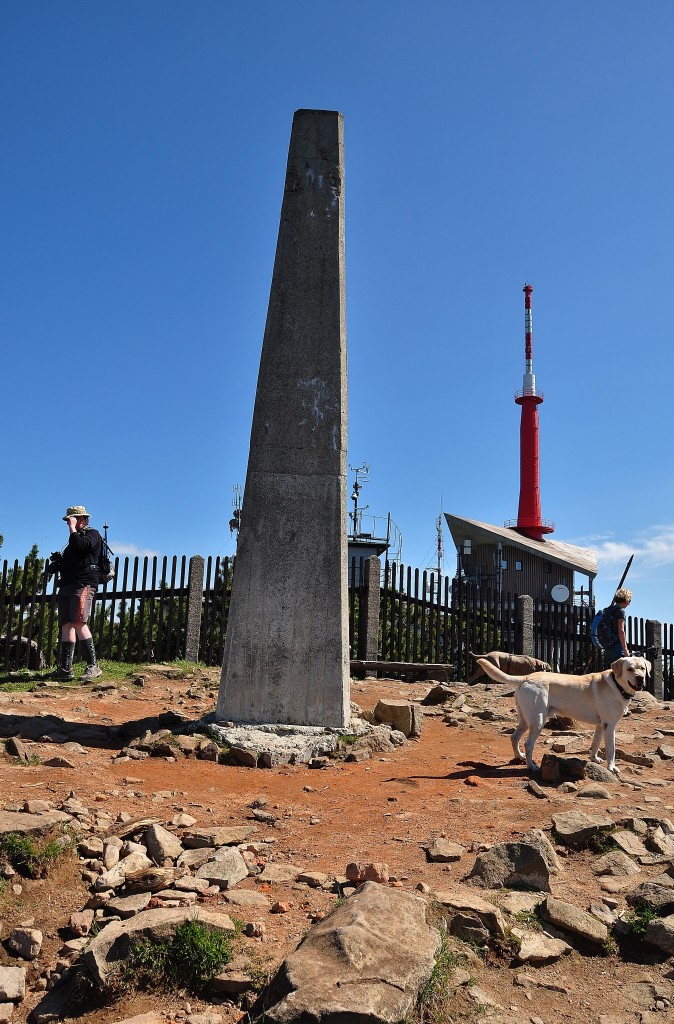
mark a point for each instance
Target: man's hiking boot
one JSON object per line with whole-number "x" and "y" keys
{"x": 62, "y": 674}
{"x": 92, "y": 672}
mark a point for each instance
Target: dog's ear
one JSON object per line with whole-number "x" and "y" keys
{"x": 617, "y": 667}
{"x": 649, "y": 667}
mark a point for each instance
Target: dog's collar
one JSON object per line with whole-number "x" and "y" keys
{"x": 626, "y": 696}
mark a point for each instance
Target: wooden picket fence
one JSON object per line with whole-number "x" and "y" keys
{"x": 142, "y": 616}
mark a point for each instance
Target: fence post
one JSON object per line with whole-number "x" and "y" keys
{"x": 654, "y": 655}
{"x": 368, "y": 635}
{"x": 195, "y": 594}
{"x": 524, "y": 631}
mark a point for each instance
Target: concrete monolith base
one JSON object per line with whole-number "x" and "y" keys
{"x": 287, "y": 649}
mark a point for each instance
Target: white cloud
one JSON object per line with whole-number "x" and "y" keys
{"x": 652, "y": 549}
{"x": 121, "y": 548}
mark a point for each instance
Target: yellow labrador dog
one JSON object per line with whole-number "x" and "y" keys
{"x": 599, "y": 698}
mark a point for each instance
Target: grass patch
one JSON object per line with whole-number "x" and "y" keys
{"x": 602, "y": 842}
{"x": 638, "y": 921}
{"x": 10, "y": 685}
{"x": 29, "y": 762}
{"x": 435, "y": 997}
{"x": 259, "y": 968}
{"x": 170, "y": 739}
{"x": 32, "y": 857}
{"x": 348, "y": 739}
{"x": 191, "y": 959}
{"x": 530, "y": 918}
{"x": 25, "y": 679}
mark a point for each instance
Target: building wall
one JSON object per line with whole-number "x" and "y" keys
{"x": 523, "y": 571}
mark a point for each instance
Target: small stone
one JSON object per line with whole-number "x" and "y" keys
{"x": 281, "y": 907}
{"x": 313, "y": 878}
{"x": 80, "y": 923}
{"x": 367, "y": 872}
{"x": 594, "y": 791}
{"x": 12, "y": 984}
{"x": 444, "y": 851}
{"x": 25, "y": 942}
{"x": 59, "y": 762}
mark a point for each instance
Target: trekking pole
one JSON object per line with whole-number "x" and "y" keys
{"x": 624, "y": 575}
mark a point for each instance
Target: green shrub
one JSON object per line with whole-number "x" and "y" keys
{"x": 30, "y": 856}
{"x": 638, "y": 921}
{"x": 433, "y": 1002}
{"x": 191, "y": 959}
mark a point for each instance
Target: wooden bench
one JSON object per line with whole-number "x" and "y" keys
{"x": 410, "y": 671}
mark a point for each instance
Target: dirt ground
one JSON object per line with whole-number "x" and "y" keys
{"x": 454, "y": 781}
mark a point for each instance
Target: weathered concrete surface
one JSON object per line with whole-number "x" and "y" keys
{"x": 365, "y": 963}
{"x": 287, "y": 650}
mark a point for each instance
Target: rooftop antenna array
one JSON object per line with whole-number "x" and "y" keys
{"x": 237, "y": 505}
{"x": 362, "y": 474}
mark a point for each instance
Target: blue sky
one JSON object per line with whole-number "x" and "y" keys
{"x": 486, "y": 144}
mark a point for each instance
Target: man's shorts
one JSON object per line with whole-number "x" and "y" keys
{"x": 74, "y": 602}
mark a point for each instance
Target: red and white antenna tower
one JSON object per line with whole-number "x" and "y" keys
{"x": 529, "y": 521}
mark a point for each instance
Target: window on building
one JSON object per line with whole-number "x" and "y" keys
{"x": 518, "y": 566}
{"x": 504, "y": 563}
{"x": 467, "y": 546}
{"x": 547, "y": 567}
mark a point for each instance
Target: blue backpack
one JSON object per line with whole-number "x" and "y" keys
{"x": 600, "y": 631}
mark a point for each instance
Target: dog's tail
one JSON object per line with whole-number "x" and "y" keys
{"x": 495, "y": 673}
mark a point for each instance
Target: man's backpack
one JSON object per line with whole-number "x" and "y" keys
{"x": 600, "y": 630}
{"x": 105, "y": 569}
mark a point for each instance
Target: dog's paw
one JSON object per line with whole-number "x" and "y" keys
{"x": 613, "y": 768}
{"x": 595, "y": 758}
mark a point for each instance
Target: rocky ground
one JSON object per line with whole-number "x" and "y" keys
{"x": 445, "y": 816}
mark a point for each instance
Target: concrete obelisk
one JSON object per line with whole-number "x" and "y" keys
{"x": 287, "y": 650}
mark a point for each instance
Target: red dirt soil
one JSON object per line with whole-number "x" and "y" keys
{"x": 456, "y": 782}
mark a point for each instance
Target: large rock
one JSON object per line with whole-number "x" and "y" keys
{"x": 117, "y": 875}
{"x": 528, "y": 863}
{"x": 460, "y": 900}
{"x": 219, "y": 835}
{"x": 247, "y": 898}
{"x": 25, "y": 942}
{"x": 615, "y": 863}
{"x": 226, "y": 869}
{"x": 12, "y": 984}
{"x": 279, "y": 873}
{"x": 629, "y": 843}
{"x": 404, "y": 716}
{"x": 574, "y": 827}
{"x": 353, "y": 966}
{"x": 538, "y": 948}
{"x": 660, "y": 932}
{"x": 30, "y": 824}
{"x": 162, "y": 844}
{"x": 115, "y": 940}
{"x": 444, "y": 851}
{"x": 128, "y": 906}
{"x": 653, "y": 896}
{"x": 571, "y": 919}
{"x": 661, "y": 839}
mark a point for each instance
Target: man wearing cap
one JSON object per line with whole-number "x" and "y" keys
{"x": 78, "y": 572}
